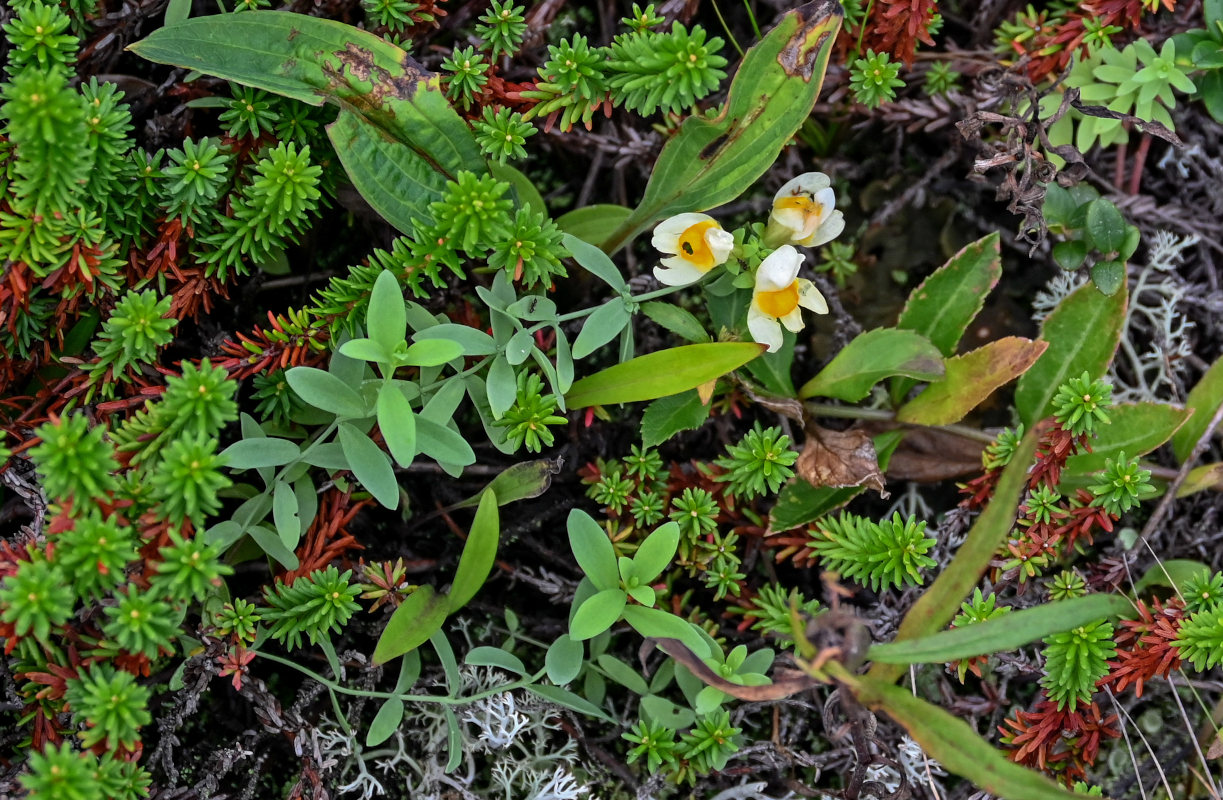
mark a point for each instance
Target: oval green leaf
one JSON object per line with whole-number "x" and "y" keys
{"x": 563, "y": 661}
{"x": 593, "y": 550}
{"x": 870, "y": 358}
{"x": 1082, "y": 332}
{"x": 411, "y": 625}
{"x": 386, "y": 722}
{"x": 598, "y": 614}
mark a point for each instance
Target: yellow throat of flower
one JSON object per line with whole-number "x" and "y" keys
{"x": 694, "y": 249}
{"x": 805, "y": 204}
{"x": 778, "y": 303}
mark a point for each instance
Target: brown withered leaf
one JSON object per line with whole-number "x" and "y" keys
{"x": 786, "y": 682}
{"x": 930, "y": 455}
{"x": 839, "y": 458}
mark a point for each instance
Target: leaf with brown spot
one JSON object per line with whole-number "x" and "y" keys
{"x": 840, "y": 459}
{"x": 397, "y": 135}
{"x": 712, "y": 161}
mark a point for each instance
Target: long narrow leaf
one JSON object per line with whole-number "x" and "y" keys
{"x": 935, "y": 608}
{"x": 1002, "y": 634}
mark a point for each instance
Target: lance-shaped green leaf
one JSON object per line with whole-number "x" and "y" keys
{"x": 1205, "y": 399}
{"x": 660, "y": 374}
{"x": 370, "y": 465}
{"x": 1001, "y": 635}
{"x": 397, "y": 136}
{"x": 942, "y": 307}
{"x": 1134, "y": 429}
{"x": 952, "y": 742}
{"x": 1082, "y": 332}
{"x": 479, "y": 553}
{"x": 520, "y": 481}
{"x": 970, "y": 379}
{"x": 712, "y": 161}
{"x": 870, "y": 358}
{"x": 946, "y": 302}
{"x": 397, "y": 424}
{"x": 934, "y": 610}
{"x": 601, "y": 327}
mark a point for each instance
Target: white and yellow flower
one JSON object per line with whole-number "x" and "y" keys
{"x": 778, "y": 296}
{"x": 695, "y": 244}
{"x": 804, "y": 212}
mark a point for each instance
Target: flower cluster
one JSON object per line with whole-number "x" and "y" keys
{"x": 803, "y": 214}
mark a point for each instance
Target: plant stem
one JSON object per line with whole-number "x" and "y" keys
{"x": 883, "y": 415}
{"x": 521, "y": 683}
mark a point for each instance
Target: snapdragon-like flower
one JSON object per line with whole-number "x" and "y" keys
{"x": 804, "y": 212}
{"x": 695, "y": 243}
{"x": 778, "y": 295}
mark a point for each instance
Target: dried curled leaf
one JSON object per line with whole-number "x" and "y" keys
{"x": 839, "y": 459}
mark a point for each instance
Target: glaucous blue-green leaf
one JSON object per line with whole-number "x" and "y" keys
{"x": 623, "y": 674}
{"x": 432, "y": 352}
{"x": 474, "y": 341}
{"x": 370, "y": 465}
{"x": 269, "y": 541}
{"x": 284, "y": 515}
{"x": 601, "y": 327}
{"x": 658, "y": 624}
{"x": 366, "y": 350}
{"x": 397, "y": 422}
{"x": 386, "y": 722}
{"x": 324, "y": 390}
{"x": 442, "y": 444}
{"x": 519, "y": 347}
{"x": 571, "y": 701}
{"x": 411, "y": 625}
{"x": 386, "y": 320}
{"x": 594, "y": 261}
{"x": 265, "y": 451}
{"x": 495, "y": 657}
